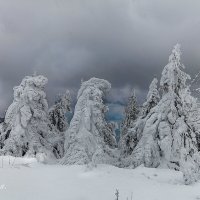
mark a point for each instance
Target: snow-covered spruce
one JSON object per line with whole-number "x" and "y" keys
{"x": 58, "y": 121}
{"x": 25, "y": 130}
{"x": 129, "y": 141}
{"x": 168, "y": 139}
{"x": 133, "y": 133}
{"x": 192, "y": 106}
{"x": 131, "y": 114}
{"x": 89, "y": 138}
{"x": 57, "y": 113}
{"x": 153, "y": 98}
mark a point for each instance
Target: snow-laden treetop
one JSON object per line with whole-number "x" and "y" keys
{"x": 173, "y": 78}
{"x": 30, "y": 90}
{"x": 101, "y": 84}
{"x": 34, "y": 81}
{"x": 38, "y": 82}
{"x": 175, "y": 56}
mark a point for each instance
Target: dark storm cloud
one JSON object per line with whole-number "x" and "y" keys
{"x": 124, "y": 41}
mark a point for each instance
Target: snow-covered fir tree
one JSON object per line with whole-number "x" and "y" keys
{"x": 25, "y": 130}
{"x": 58, "y": 121}
{"x": 57, "y": 113}
{"x": 133, "y": 134}
{"x": 129, "y": 141}
{"x": 153, "y": 98}
{"x": 168, "y": 139}
{"x": 194, "y": 112}
{"x": 131, "y": 114}
{"x": 89, "y": 138}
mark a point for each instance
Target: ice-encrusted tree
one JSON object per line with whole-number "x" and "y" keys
{"x": 26, "y": 130}
{"x": 167, "y": 138}
{"x": 89, "y": 138}
{"x": 131, "y": 114}
{"x": 194, "y": 117}
{"x": 133, "y": 134}
{"x": 153, "y": 98}
{"x": 57, "y": 113}
{"x": 58, "y": 121}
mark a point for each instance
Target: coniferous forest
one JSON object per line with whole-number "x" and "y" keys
{"x": 162, "y": 133}
{"x": 99, "y": 100}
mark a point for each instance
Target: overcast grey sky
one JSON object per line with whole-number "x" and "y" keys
{"x": 126, "y": 42}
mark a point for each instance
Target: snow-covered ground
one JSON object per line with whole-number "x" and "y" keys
{"x": 26, "y": 179}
